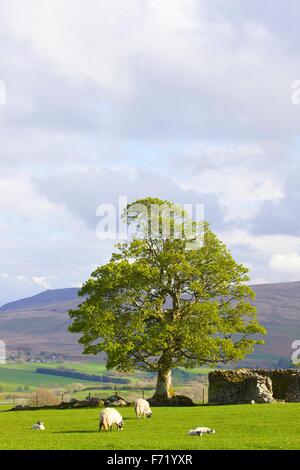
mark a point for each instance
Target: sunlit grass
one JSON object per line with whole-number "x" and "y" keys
{"x": 275, "y": 426}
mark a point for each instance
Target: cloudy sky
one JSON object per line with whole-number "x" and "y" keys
{"x": 188, "y": 100}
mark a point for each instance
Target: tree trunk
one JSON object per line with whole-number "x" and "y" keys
{"x": 164, "y": 388}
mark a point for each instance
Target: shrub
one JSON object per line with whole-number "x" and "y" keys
{"x": 44, "y": 397}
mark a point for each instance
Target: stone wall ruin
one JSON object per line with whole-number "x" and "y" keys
{"x": 248, "y": 385}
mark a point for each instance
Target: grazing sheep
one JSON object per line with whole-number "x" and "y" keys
{"x": 109, "y": 417}
{"x": 39, "y": 426}
{"x": 201, "y": 430}
{"x": 142, "y": 408}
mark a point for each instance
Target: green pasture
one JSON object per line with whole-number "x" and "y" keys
{"x": 274, "y": 426}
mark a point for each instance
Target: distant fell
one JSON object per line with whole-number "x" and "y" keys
{"x": 40, "y": 323}
{"x": 46, "y": 297}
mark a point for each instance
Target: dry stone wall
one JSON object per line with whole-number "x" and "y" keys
{"x": 246, "y": 385}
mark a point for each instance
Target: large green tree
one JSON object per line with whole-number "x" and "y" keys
{"x": 166, "y": 301}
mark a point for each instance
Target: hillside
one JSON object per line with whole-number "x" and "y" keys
{"x": 278, "y": 308}
{"x": 47, "y": 297}
{"x": 40, "y": 323}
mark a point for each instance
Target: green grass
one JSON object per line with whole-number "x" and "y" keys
{"x": 12, "y": 377}
{"x": 16, "y": 375}
{"x": 199, "y": 371}
{"x": 23, "y": 374}
{"x": 86, "y": 367}
{"x": 275, "y": 426}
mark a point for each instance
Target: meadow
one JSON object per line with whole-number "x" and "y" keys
{"x": 20, "y": 379}
{"x": 237, "y": 427}
{"x": 14, "y": 375}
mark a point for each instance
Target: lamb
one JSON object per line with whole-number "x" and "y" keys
{"x": 142, "y": 408}
{"x": 39, "y": 426}
{"x": 109, "y": 417}
{"x": 201, "y": 430}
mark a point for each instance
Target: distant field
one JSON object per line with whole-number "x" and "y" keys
{"x": 14, "y": 375}
{"x": 237, "y": 427}
{"x": 23, "y": 374}
{"x": 88, "y": 367}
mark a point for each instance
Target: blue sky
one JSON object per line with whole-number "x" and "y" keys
{"x": 189, "y": 100}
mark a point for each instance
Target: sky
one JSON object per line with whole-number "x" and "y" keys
{"x": 187, "y": 100}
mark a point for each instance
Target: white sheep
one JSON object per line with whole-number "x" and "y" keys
{"x": 142, "y": 408}
{"x": 109, "y": 417}
{"x": 201, "y": 430}
{"x": 39, "y": 426}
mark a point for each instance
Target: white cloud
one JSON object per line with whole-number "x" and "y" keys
{"x": 18, "y": 198}
{"x": 41, "y": 281}
{"x": 286, "y": 264}
{"x": 163, "y": 66}
{"x": 239, "y": 190}
{"x": 182, "y": 99}
{"x": 268, "y": 256}
{"x": 231, "y": 172}
{"x": 97, "y": 186}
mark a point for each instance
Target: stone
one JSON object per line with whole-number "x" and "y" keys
{"x": 241, "y": 386}
{"x": 119, "y": 402}
{"x": 115, "y": 400}
{"x": 177, "y": 400}
{"x": 258, "y": 385}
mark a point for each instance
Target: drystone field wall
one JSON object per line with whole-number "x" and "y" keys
{"x": 285, "y": 382}
{"x": 248, "y": 385}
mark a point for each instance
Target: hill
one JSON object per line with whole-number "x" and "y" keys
{"x": 40, "y": 323}
{"x": 44, "y": 298}
{"x": 278, "y": 308}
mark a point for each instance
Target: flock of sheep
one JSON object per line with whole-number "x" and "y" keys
{"x": 110, "y": 417}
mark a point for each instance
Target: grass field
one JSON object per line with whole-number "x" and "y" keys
{"x": 87, "y": 367}
{"x": 20, "y": 375}
{"x": 275, "y": 426}
{"x": 23, "y": 374}
{"x": 12, "y": 378}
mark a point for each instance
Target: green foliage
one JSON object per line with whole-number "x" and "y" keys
{"x": 159, "y": 304}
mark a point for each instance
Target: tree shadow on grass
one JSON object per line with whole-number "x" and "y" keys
{"x": 76, "y": 432}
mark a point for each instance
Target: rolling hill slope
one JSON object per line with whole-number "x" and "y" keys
{"x": 44, "y": 298}
{"x": 40, "y": 323}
